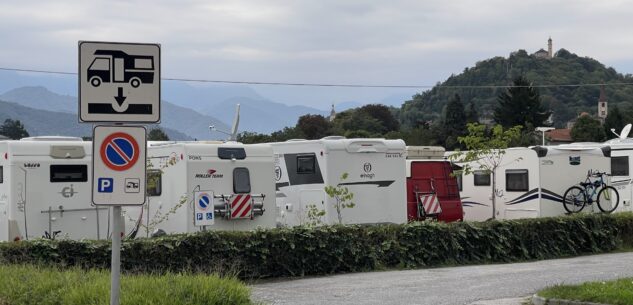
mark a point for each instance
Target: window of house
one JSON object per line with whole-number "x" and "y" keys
{"x": 481, "y": 178}
{"x": 241, "y": 180}
{"x": 69, "y": 173}
{"x": 620, "y": 166}
{"x": 517, "y": 180}
{"x": 305, "y": 164}
{"x": 154, "y": 183}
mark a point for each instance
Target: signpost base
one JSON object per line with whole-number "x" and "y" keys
{"x": 115, "y": 265}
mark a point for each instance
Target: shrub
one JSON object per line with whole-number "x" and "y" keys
{"x": 304, "y": 251}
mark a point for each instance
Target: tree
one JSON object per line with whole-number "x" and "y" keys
{"x": 472, "y": 116}
{"x": 520, "y": 105}
{"x": 454, "y": 122}
{"x": 313, "y": 126}
{"x": 614, "y": 120}
{"x": 157, "y": 134}
{"x": 485, "y": 150}
{"x": 383, "y": 115}
{"x": 587, "y": 129}
{"x": 342, "y": 197}
{"x": 13, "y": 129}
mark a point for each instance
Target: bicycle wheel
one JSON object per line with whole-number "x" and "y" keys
{"x": 608, "y": 199}
{"x": 574, "y": 199}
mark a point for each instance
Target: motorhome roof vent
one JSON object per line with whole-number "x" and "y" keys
{"x": 333, "y": 138}
{"x": 67, "y": 152}
{"x": 425, "y": 152}
{"x": 52, "y": 138}
{"x": 295, "y": 140}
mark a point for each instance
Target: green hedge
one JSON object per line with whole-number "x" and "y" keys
{"x": 334, "y": 249}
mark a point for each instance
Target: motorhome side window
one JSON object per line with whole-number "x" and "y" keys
{"x": 460, "y": 177}
{"x": 241, "y": 180}
{"x": 305, "y": 164}
{"x": 620, "y": 166}
{"x": 69, "y": 173}
{"x": 1, "y": 175}
{"x": 154, "y": 183}
{"x": 481, "y": 178}
{"x": 517, "y": 180}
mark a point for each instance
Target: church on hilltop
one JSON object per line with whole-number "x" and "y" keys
{"x": 545, "y": 54}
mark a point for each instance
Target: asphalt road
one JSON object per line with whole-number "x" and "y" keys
{"x": 444, "y": 286}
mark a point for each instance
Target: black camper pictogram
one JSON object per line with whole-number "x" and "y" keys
{"x": 113, "y": 66}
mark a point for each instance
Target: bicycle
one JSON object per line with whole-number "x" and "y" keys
{"x": 576, "y": 197}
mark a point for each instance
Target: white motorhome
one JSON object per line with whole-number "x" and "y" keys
{"x": 225, "y": 170}
{"x": 376, "y": 177}
{"x": 530, "y": 181}
{"x": 45, "y": 190}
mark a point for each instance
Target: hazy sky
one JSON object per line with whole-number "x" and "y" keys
{"x": 395, "y": 42}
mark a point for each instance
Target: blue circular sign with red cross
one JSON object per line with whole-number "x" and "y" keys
{"x": 204, "y": 201}
{"x": 119, "y": 151}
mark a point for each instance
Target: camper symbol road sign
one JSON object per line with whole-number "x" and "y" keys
{"x": 119, "y": 82}
{"x": 119, "y": 151}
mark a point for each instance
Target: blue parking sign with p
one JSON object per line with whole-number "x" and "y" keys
{"x": 105, "y": 185}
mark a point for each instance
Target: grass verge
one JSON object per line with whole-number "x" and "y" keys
{"x": 26, "y": 285}
{"x": 617, "y": 292}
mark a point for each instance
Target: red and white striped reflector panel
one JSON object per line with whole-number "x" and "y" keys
{"x": 431, "y": 204}
{"x": 241, "y": 206}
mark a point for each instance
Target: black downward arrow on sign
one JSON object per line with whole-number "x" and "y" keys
{"x": 120, "y": 98}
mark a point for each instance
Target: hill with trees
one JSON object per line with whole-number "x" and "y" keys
{"x": 566, "y": 102}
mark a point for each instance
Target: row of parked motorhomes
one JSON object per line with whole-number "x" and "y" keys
{"x": 45, "y": 184}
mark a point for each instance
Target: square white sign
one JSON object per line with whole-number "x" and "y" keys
{"x": 119, "y": 82}
{"x": 119, "y": 165}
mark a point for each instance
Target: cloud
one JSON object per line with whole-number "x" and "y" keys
{"x": 328, "y": 41}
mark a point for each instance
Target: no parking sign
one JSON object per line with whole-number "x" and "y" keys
{"x": 203, "y": 215}
{"x": 118, "y": 164}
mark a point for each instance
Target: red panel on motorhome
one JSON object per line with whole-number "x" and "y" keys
{"x": 428, "y": 177}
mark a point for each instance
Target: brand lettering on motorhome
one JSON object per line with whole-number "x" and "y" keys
{"x": 210, "y": 174}
{"x": 367, "y": 174}
{"x": 393, "y": 155}
{"x": 195, "y": 157}
{"x": 68, "y": 191}
{"x": 31, "y": 165}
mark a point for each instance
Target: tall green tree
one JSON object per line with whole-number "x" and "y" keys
{"x": 520, "y": 105}
{"x": 157, "y": 134}
{"x": 454, "y": 123}
{"x": 383, "y": 114}
{"x": 472, "y": 116}
{"x": 13, "y": 129}
{"x": 587, "y": 129}
{"x": 313, "y": 126}
{"x": 614, "y": 120}
{"x": 485, "y": 151}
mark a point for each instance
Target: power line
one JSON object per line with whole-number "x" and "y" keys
{"x": 347, "y": 85}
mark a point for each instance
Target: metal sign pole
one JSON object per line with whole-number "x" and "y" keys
{"x": 115, "y": 284}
